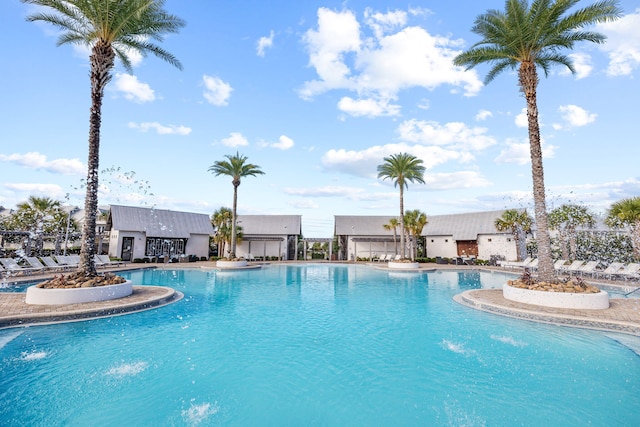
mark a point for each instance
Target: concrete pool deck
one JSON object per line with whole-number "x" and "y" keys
{"x": 623, "y": 315}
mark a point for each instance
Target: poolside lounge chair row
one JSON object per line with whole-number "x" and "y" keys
{"x": 613, "y": 271}
{"x": 580, "y": 267}
{"x": 388, "y": 257}
{"x": 48, "y": 264}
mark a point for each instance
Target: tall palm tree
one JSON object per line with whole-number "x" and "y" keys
{"x": 402, "y": 168}
{"x": 393, "y": 225}
{"x": 627, "y": 212}
{"x": 566, "y": 219}
{"x": 414, "y": 222}
{"x": 526, "y": 37}
{"x": 111, "y": 28}
{"x": 518, "y": 222}
{"x": 237, "y": 168}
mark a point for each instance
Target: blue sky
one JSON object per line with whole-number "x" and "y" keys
{"x": 317, "y": 93}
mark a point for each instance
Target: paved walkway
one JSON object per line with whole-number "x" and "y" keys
{"x": 14, "y": 312}
{"x": 623, "y": 315}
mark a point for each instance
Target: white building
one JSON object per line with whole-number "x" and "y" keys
{"x": 269, "y": 236}
{"x": 447, "y": 236}
{"x": 149, "y": 232}
{"x": 469, "y": 234}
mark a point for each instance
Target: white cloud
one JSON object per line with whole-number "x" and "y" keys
{"x": 521, "y": 119}
{"x": 453, "y": 180}
{"x": 483, "y": 115}
{"x": 368, "y": 107}
{"x": 264, "y": 43}
{"x": 284, "y": 143}
{"x": 338, "y": 34}
{"x": 161, "y": 129}
{"x": 53, "y": 191}
{"x": 581, "y": 64}
{"x": 35, "y": 160}
{"x": 326, "y": 191}
{"x": 623, "y": 44}
{"x": 217, "y": 92}
{"x": 575, "y": 116}
{"x": 454, "y": 134}
{"x": 235, "y": 139}
{"x": 304, "y": 204}
{"x": 384, "y": 23}
{"x": 396, "y": 57}
{"x": 520, "y": 152}
{"x": 133, "y": 89}
{"x": 364, "y": 163}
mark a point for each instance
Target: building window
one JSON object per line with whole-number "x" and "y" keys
{"x": 446, "y": 240}
{"x": 431, "y": 240}
{"x": 489, "y": 239}
{"x": 159, "y": 246}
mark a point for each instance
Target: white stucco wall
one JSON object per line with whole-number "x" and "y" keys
{"x": 197, "y": 245}
{"x": 496, "y": 244}
{"x": 443, "y": 246}
{"x": 262, "y": 248}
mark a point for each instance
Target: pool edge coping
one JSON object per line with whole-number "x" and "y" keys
{"x": 528, "y": 312}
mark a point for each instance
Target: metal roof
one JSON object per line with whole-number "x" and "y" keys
{"x": 270, "y": 225}
{"x": 362, "y": 225}
{"x": 159, "y": 222}
{"x": 465, "y": 226}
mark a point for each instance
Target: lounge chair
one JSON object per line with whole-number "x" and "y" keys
{"x": 533, "y": 265}
{"x": 383, "y": 258}
{"x": 51, "y": 264}
{"x": 631, "y": 271}
{"x": 98, "y": 262}
{"x": 560, "y": 265}
{"x": 34, "y": 262}
{"x": 67, "y": 260}
{"x": 515, "y": 264}
{"x": 573, "y": 267}
{"x": 611, "y": 270}
{"x": 12, "y": 265}
{"x": 250, "y": 257}
{"x": 107, "y": 261}
{"x": 590, "y": 267}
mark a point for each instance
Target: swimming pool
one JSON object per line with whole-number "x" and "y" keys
{"x": 316, "y": 345}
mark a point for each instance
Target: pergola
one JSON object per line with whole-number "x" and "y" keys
{"x": 370, "y": 240}
{"x": 264, "y": 239}
{"x": 317, "y": 240}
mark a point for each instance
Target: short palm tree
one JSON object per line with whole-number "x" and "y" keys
{"x": 402, "y": 168}
{"x": 414, "y": 222}
{"x": 627, "y": 212}
{"x": 566, "y": 219}
{"x": 392, "y": 225}
{"x": 518, "y": 222}
{"x": 111, "y": 28}
{"x": 237, "y": 168}
{"x": 526, "y": 37}
{"x": 221, "y": 221}
{"x": 37, "y": 215}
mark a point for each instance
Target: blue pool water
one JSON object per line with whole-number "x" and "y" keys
{"x": 326, "y": 345}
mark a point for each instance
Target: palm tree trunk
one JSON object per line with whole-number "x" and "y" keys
{"x": 402, "y": 220}
{"x": 234, "y": 231}
{"x": 528, "y": 83}
{"x": 102, "y": 61}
